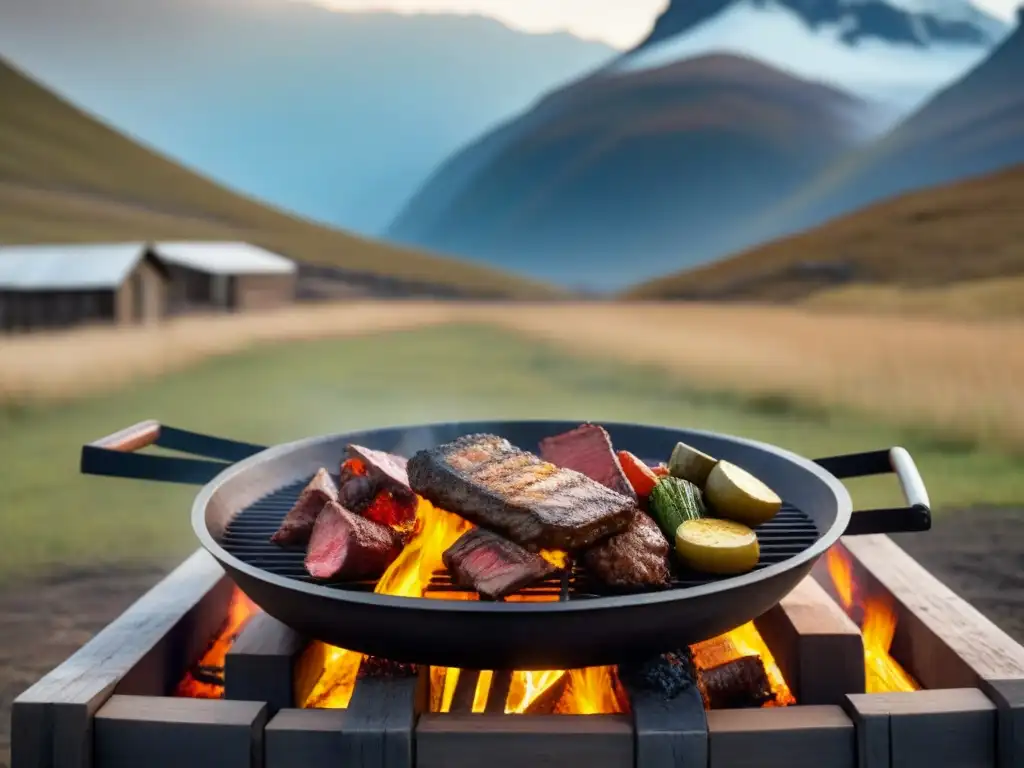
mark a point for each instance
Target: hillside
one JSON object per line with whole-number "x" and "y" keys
{"x": 960, "y": 235}
{"x": 67, "y": 177}
{"x": 331, "y": 115}
{"x": 973, "y": 127}
{"x": 615, "y": 176}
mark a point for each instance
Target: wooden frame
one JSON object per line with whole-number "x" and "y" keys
{"x": 790, "y": 737}
{"x": 941, "y": 639}
{"x": 144, "y": 651}
{"x": 171, "y": 733}
{"x": 669, "y": 733}
{"x": 266, "y": 663}
{"x": 817, "y": 647}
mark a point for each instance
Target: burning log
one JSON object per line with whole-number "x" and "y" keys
{"x": 738, "y": 684}
{"x": 378, "y": 668}
{"x": 547, "y": 701}
{"x": 667, "y": 675}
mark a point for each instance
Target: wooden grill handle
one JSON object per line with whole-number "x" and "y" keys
{"x": 133, "y": 438}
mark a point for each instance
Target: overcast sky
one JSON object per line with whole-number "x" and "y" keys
{"x": 620, "y": 23}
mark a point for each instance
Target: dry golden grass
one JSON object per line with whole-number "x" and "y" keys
{"x": 961, "y": 377}
{"x": 66, "y": 365}
{"x": 972, "y": 300}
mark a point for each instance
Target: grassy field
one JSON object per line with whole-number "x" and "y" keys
{"x": 60, "y": 519}
{"x": 961, "y": 241}
{"x": 66, "y": 177}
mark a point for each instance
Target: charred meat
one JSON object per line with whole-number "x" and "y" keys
{"x": 346, "y": 546}
{"x": 490, "y": 482}
{"x": 356, "y": 492}
{"x": 637, "y": 557}
{"x": 379, "y": 487}
{"x": 492, "y": 565}
{"x": 588, "y": 450}
{"x": 298, "y": 523}
{"x": 385, "y": 469}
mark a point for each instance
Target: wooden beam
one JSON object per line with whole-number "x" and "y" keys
{"x": 263, "y": 664}
{"x": 465, "y": 691}
{"x": 784, "y": 737}
{"x": 817, "y": 647}
{"x": 669, "y": 732}
{"x": 144, "y": 651}
{"x": 954, "y": 728}
{"x": 524, "y": 741}
{"x": 165, "y": 732}
{"x": 941, "y": 639}
{"x": 380, "y": 722}
{"x": 305, "y": 738}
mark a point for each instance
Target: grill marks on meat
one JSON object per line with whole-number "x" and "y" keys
{"x": 298, "y": 523}
{"x": 490, "y": 482}
{"x": 637, "y": 557}
{"x": 492, "y": 565}
{"x": 588, "y": 450}
{"x": 344, "y": 545}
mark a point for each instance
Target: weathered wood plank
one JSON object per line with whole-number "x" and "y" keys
{"x": 380, "y": 722}
{"x": 305, "y": 738}
{"x": 816, "y": 645}
{"x": 941, "y": 639}
{"x": 136, "y": 731}
{"x": 145, "y": 650}
{"x": 497, "y": 694}
{"x": 870, "y": 716}
{"x": 263, "y": 665}
{"x": 524, "y": 741}
{"x": 669, "y": 732}
{"x": 785, "y": 737}
{"x": 465, "y": 691}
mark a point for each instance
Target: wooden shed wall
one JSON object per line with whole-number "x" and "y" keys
{"x": 256, "y": 292}
{"x": 142, "y": 298}
{"x": 37, "y": 310}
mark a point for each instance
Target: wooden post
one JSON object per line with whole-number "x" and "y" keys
{"x": 941, "y": 639}
{"x": 139, "y": 652}
{"x": 954, "y": 728}
{"x": 524, "y": 741}
{"x": 785, "y": 737}
{"x": 263, "y": 664}
{"x": 817, "y": 647}
{"x": 170, "y": 733}
{"x": 669, "y": 733}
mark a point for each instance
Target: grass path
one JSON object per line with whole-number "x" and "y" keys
{"x": 274, "y": 393}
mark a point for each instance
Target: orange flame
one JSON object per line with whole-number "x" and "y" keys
{"x": 883, "y": 673}
{"x": 740, "y": 642}
{"x": 240, "y": 610}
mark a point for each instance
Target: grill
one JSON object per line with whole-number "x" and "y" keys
{"x": 575, "y": 622}
{"x": 247, "y": 537}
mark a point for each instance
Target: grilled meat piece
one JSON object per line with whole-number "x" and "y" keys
{"x": 346, "y": 546}
{"x": 588, "y": 450}
{"x": 298, "y": 523}
{"x": 637, "y": 557}
{"x": 737, "y": 684}
{"x": 490, "y": 482}
{"x": 386, "y": 470}
{"x": 492, "y": 565}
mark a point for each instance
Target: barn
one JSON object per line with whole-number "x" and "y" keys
{"x": 223, "y": 276}
{"x": 55, "y": 286}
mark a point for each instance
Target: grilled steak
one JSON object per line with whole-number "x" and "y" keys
{"x": 588, "y": 450}
{"x": 492, "y": 565}
{"x": 346, "y": 546}
{"x": 386, "y": 470}
{"x": 298, "y": 523}
{"x": 637, "y": 557}
{"x": 490, "y": 482}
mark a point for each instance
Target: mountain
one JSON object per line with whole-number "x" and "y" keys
{"x": 614, "y": 177}
{"x": 897, "y": 51}
{"x": 337, "y": 116}
{"x": 973, "y": 127}
{"x": 65, "y": 177}
{"x": 958, "y": 235}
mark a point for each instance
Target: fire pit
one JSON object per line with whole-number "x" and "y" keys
{"x": 871, "y": 663}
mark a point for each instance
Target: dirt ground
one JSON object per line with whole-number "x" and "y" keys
{"x": 978, "y": 552}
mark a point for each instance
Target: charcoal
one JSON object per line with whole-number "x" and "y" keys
{"x": 356, "y": 493}
{"x": 388, "y": 471}
{"x": 488, "y": 481}
{"x": 378, "y": 668}
{"x": 667, "y": 675}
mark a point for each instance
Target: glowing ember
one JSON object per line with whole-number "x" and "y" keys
{"x": 408, "y": 576}
{"x": 883, "y": 673}
{"x": 740, "y": 642}
{"x": 240, "y": 610}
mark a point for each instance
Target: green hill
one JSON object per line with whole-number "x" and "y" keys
{"x": 66, "y": 177}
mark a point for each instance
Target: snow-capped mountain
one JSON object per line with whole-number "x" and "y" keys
{"x": 900, "y": 51}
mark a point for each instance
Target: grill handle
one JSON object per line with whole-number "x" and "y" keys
{"x": 115, "y": 455}
{"x": 916, "y": 516}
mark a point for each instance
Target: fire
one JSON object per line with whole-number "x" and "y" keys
{"x": 240, "y": 610}
{"x": 883, "y": 673}
{"x": 740, "y": 642}
{"x": 408, "y": 576}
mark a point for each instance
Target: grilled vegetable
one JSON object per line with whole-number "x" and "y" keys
{"x": 735, "y": 494}
{"x": 690, "y": 464}
{"x": 673, "y": 501}
{"x": 717, "y": 546}
{"x": 661, "y": 470}
{"x": 640, "y": 476}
